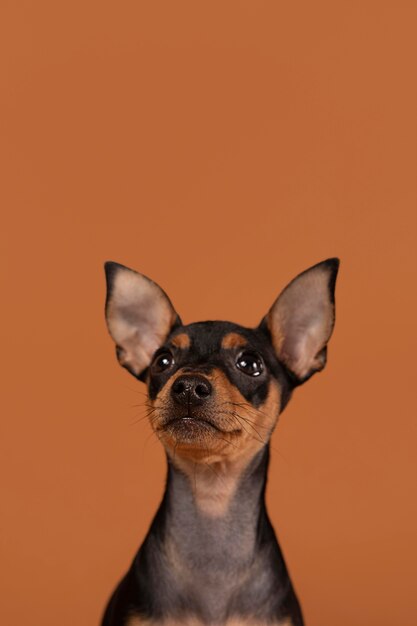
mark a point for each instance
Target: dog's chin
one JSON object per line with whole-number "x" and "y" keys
{"x": 193, "y": 431}
{"x": 189, "y": 428}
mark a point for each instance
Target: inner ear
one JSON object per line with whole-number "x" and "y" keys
{"x": 139, "y": 316}
{"x": 301, "y": 320}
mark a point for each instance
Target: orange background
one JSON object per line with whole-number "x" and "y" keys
{"x": 220, "y": 148}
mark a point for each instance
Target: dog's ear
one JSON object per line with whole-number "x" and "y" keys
{"x": 139, "y": 316}
{"x": 301, "y": 320}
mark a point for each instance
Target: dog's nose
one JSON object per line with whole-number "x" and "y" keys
{"x": 189, "y": 389}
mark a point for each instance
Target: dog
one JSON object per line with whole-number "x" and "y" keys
{"x": 215, "y": 391}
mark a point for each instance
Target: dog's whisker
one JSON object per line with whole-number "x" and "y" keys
{"x": 250, "y": 408}
{"x": 249, "y": 420}
{"x": 259, "y": 438}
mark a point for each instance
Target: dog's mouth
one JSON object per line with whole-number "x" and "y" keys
{"x": 189, "y": 421}
{"x": 190, "y": 427}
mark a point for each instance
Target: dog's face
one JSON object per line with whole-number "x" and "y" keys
{"x": 215, "y": 388}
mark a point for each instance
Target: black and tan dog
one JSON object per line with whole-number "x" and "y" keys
{"x": 215, "y": 392}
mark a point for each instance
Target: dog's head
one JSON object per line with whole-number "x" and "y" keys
{"x": 216, "y": 388}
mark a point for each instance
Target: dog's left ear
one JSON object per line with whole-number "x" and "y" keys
{"x": 301, "y": 320}
{"x": 139, "y": 316}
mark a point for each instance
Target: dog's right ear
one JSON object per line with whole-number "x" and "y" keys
{"x": 139, "y": 316}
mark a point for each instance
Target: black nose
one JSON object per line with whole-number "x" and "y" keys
{"x": 189, "y": 389}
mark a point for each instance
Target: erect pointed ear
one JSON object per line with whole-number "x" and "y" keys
{"x": 139, "y": 316}
{"x": 301, "y": 320}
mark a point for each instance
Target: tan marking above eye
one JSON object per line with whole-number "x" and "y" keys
{"x": 181, "y": 341}
{"x": 233, "y": 340}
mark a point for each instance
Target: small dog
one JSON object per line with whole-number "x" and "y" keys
{"x": 215, "y": 391}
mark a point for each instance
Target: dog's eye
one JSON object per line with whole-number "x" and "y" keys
{"x": 162, "y": 362}
{"x": 250, "y": 363}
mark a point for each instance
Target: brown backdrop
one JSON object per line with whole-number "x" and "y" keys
{"x": 220, "y": 148}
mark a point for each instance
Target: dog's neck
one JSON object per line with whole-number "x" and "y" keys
{"x": 211, "y": 552}
{"x": 213, "y": 510}
{"x": 210, "y": 529}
